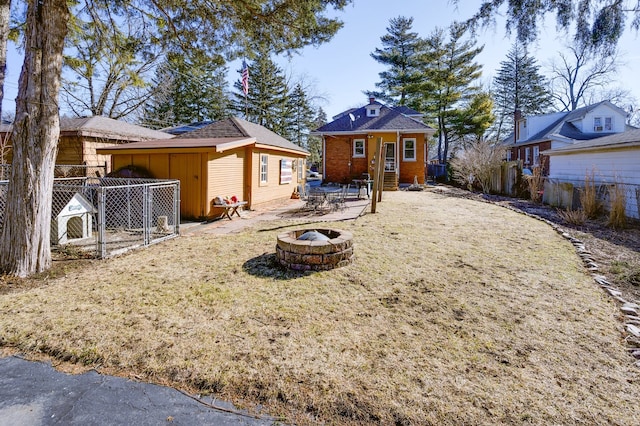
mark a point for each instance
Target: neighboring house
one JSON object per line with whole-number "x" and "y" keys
{"x": 539, "y": 133}
{"x": 349, "y": 141}
{"x": 80, "y": 137}
{"x": 226, "y": 158}
{"x": 610, "y": 159}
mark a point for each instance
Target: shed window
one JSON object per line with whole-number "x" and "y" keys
{"x": 264, "y": 168}
{"x": 409, "y": 149}
{"x": 358, "y": 148}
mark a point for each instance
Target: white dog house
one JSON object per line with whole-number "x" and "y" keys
{"x": 74, "y": 220}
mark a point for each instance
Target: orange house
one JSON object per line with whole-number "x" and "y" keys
{"x": 225, "y": 158}
{"x": 349, "y": 143}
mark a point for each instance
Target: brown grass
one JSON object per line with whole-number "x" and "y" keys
{"x": 618, "y": 207}
{"x": 591, "y": 204}
{"x": 574, "y": 217}
{"x": 454, "y": 312}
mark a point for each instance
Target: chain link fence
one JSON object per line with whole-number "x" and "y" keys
{"x": 108, "y": 216}
{"x": 64, "y": 171}
{"x": 565, "y": 193}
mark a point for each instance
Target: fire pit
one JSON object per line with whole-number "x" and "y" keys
{"x": 315, "y": 249}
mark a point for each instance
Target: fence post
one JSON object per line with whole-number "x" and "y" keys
{"x": 176, "y": 206}
{"x": 146, "y": 217}
{"x": 102, "y": 221}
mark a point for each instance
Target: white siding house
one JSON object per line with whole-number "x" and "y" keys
{"x": 610, "y": 159}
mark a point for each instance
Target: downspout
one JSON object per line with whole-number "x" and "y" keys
{"x": 324, "y": 157}
{"x": 398, "y": 156}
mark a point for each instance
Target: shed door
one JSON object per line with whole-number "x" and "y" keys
{"x": 187, "y": 168}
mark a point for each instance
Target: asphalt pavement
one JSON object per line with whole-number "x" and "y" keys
{"x": 35, "y": 394}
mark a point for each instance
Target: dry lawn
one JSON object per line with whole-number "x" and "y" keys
{"x": 454, "y": 312}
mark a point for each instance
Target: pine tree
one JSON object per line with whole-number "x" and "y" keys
{"x": 400, "y": 47}
{"x": 302, "y": 116}
{"x": 267, "y": 102}
{"x": 448, "y": 82}
{"x": 518, "y": 86}
{"x": 190, "y": 89}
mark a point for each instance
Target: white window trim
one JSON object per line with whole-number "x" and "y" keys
{"x": 355, "y": 154}
{"x": 264, "y": 157}
{"x": 536, "y": 155}
{"x": 404, "y": 149}
{"x": 527, "y": 155}
{"x": 603, "y": 124}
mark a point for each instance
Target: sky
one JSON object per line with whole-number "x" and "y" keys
{"x": 341, "y": 70}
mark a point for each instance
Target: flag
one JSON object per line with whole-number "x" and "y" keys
{"x": 245, "y": 78}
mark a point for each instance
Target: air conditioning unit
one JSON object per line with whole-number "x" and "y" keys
{"x": 597, "y": 128}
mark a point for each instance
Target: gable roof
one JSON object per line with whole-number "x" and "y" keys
{"x": 221, "y": 135}
{"x": 389, "y": 120}
{"x": 628, "y": 139}
{"x": 563, "y": 126}
{"x": 103, "y": 127}
{"x": 402, "y": 109}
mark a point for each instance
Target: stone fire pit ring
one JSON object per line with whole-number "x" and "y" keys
{"x": 324, "y": 250}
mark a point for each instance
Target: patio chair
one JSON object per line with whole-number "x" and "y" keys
{"x": 338, "y": 202}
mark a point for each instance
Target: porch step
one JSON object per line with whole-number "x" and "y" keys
{"x": 390, "y": 182}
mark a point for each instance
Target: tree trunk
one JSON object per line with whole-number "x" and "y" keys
{"x": 5, "y": 7}
{"x": 25, "y": 240}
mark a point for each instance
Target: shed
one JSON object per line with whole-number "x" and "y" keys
{"x": 72, "y": 217}
{"x": 80, "y": 137}
{"x": 226, "y": 158}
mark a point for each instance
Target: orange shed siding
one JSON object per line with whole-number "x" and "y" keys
{"x": 226, "y": 174}
{"x": 273, "y": 190}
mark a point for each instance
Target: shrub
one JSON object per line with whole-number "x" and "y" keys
{"x": 574, "y": 217}
{"x": 477, "y": 163}
{"x": 535, "y": 184}
{"x": 589, "y": 201}
{"x": 617, "y": 212}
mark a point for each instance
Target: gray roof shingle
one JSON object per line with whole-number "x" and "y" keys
{"x": 389, "y": 119}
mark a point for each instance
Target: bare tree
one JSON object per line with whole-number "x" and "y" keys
{"x": 477, "y": 163}
{"x": 583, "y": 75}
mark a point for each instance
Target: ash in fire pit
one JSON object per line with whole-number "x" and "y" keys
{"x": 315, "y": 249}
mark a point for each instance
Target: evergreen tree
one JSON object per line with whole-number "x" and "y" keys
{"x": 267, "y": 102}
{"x": 302, "y": 116}
{"x": 400, "y": 48}
{"x": 314, "y": 143}
{"x": 518, "y": 86}
{"x": 189, "y": 89}
{"x": 448, "y": 82}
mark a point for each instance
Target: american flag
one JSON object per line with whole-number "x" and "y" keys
{"x": 245, "y": 78}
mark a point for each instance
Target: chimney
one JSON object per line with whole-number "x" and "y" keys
{"x": 517, "y": 116}
{"x": 371, "y": 99}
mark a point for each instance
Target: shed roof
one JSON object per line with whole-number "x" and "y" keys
{"x": 221, "y": 135}
{"x": 628, "y": 139}
{"x": 103, "y": 127}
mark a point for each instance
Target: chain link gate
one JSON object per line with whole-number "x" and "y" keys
{"x": 108, "y": 216}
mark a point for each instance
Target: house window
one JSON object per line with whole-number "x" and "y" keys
{"x": 527, "y": 155}
{"x": 372, "y": 112}
{"x": 300, "y": 168}
{"x": 602, "y": 124}
{"x": 509, "y": 155}
{"x": 358, "y": 148}
{"x": 409, "y": 149}
{"x": 264, "y": 168}
{"x": 536, "y": 155}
